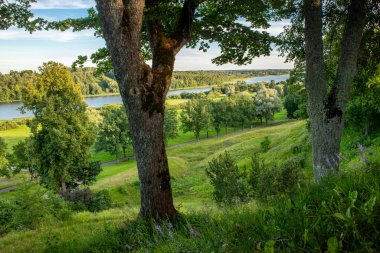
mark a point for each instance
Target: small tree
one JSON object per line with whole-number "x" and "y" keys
{"x": 195, "y": 117}
{"x": 230, "y": 184}
{"x": 114, "y": 132}
{"x": 61, "y": 131}
{"x": 171, "y": 128}
{"x": 267, "y": 103}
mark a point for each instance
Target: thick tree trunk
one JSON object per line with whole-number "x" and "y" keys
{"x": 156, "y": 195}
{"x": 326, "y": 109}
{"x": 144, "y": 88}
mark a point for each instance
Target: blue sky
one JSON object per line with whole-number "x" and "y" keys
{"x": 20, "y": 50}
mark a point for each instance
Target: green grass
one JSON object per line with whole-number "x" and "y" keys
{"x": 240, "y": 229}
{"x": 14, "y": 136}
{"x": 187, "y": 164}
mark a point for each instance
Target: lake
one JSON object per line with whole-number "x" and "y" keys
{"x": 10, "y": 110}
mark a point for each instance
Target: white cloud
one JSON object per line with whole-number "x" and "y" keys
{"x": 19, "y": 34}
{"x": 193, "y": 59}
{"x": 63, "y": 4}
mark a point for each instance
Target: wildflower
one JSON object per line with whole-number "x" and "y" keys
{"x": 159, "y": 229}
{"x": 335, "y": 163}
{"x": 155, "y": 239}
{"x": 361, "y": 148}
{"x": 194, "y": 233}
{"x": 170, "y": 225}
{"x": 364, "y": 160}
{"x": 171, "y": 234}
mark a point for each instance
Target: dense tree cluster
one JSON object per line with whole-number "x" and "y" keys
{"x": 12, "y": 84}
{"x": 188, "y": 79}
{"x": 93, "y": 83}
{"x": 239, "y": 110}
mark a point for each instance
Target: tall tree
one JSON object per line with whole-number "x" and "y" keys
{"x": 326, "y": 106}
{"x": 158, "y": 29}
{"x": 61, "y": 131}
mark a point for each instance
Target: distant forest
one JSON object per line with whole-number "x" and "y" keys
{"x": 11, "y": 84}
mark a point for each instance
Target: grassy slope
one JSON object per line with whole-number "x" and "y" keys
{"x": 190, "y": 187}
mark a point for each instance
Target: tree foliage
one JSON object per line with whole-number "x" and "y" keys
{"x": 195, "y": 116}
{"x": 61, "y": 132}
{"x": 171, "y": 124}
{"x": 18, "y": 13}
{"x": 114, "y": 135}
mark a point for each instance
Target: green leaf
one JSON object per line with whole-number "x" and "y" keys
{"x": 353, "y": 196}
{"x": 339, "y": 216}
{"x": 332, "y": 245}
{"x": 269, "y": 246}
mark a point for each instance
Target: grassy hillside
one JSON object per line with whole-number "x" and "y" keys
{"x": 339, "y": 214}
{"x": 190, "y": 188}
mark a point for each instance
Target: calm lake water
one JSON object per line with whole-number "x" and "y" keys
{"x": 10, "y": 110}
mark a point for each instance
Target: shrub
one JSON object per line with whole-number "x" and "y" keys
{"x": 30, "y": 206}
{"x": 265, "y": 144}
{"x": 6, "y": 210}
{"x": 86, "y": 200}
{"x": 230, "y": 184}
{"x": 275, "y": 180}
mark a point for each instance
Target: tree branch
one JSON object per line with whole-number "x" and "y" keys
{"x": 121, "y": 23}
{"x": 182, "y": 33}
{"x": 349, "y": 53}
{"x": 315, "y": 69}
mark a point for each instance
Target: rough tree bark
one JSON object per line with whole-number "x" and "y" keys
{"x": 326, "y": 108}
{"x": 144, "y": 88}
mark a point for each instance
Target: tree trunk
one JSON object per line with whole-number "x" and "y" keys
{"x": 144, "y": 88}
{"x": 366, "y": 126}
{"x": 63, "y": 188}
{"x": 326, "y": 109}
{"x": 152, "y": 163}
{"x": 124, "y": 152}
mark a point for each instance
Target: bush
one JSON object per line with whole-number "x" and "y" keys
{"x": 6, "y": 210}
{"x": 230, "y": 184}
{"x": 30, "y": 207}
{"x": 265, "y": 144}
{"x": 276, "y": 180}
{"x": 86, "y": 200}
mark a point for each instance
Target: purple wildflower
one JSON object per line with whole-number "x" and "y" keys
{"x": 364, "y": 160}
{"x": 336, "y": 163}
{"x": 361, "y": 148}
{"x": 194, "y": 233}
{"x": 170, "y": 225}
{"x": 171, "y": 234}
{"x": 155, "y": 239}
{"x": 159, "y": 229}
